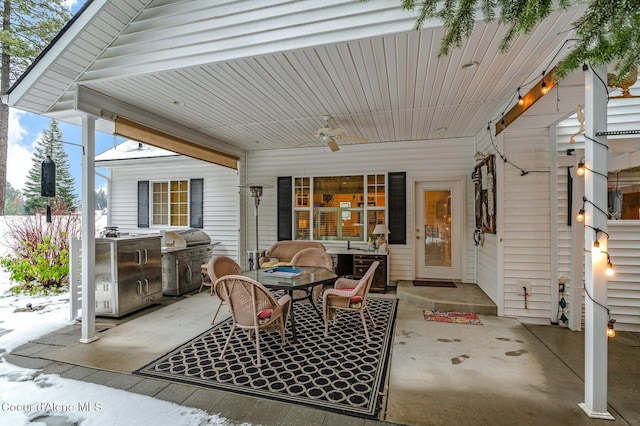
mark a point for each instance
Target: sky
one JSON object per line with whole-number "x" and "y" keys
{"x": 25, "y": 129}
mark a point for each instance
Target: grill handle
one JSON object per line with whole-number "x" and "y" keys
{"x": 139, "y": 287}
{"x": 146, "y": 256}
{"x": 146, "y": 285}
{"x": 190, "y": 274}
{"x": 138, "y": 258}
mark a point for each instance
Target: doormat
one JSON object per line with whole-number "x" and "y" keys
{"x": 420, "y": 283}
{"x": 341, "y": 373}
{"x": 454, "y": 317}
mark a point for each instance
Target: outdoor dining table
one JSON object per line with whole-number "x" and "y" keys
{"x": 310, "y": 277}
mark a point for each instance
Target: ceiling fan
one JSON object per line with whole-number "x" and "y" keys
{"x": 331, "y": 136}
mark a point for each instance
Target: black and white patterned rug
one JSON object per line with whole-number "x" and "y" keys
{"x": 341, "y": 372}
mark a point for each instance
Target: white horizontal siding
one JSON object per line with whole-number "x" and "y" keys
{"x": 623, "y": 289}
{"x": 221, "y": 208}
{"x": 527, "y": 232}
{"x": 429, "y": 160}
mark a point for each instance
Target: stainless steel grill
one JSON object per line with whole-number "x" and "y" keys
{"x": 183, "y": 253}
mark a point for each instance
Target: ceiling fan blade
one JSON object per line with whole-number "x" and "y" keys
{"x": 353, "y": 139}
{"x": 333, "y": 145}
{"x": 336, "y": 132}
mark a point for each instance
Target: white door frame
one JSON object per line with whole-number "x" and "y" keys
{"x": 458, "y": 214}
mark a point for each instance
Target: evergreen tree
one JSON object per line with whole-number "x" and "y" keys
{"x": 49, "y": 144}
{"x": 27, "y": 27}
{"x": 13, "y": 201}
{"x": 608, "y": 32}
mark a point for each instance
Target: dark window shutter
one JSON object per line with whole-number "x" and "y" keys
{"x": 143, "y": 204}
{"x": 285, "y": 208}
{"x": 397, "y": 208}
{"x": 196, "y": 203}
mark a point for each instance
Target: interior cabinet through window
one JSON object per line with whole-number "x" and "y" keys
{"x": 338, "y": 207}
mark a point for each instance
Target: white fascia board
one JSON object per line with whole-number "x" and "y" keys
{"x": 54, "y": 52}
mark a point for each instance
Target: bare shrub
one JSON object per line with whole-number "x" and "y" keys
{"x": 38, "y": 255}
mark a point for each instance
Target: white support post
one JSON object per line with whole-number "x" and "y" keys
{"x": 596, "y": 314}
{"x": 88, "y": 230}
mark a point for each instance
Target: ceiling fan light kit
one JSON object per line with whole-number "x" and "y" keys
{"x": 331, "y": 136}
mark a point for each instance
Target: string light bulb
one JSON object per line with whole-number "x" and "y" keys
{"x": 520, "y": 98}
{"x": 580, "y": 216}
{"x": 611, "y": 332}
{"x": 580, "y": 169}
{"x": 544, "y": 87}
{"x": 596, "y": 248}
{"x": 609, "y": 270}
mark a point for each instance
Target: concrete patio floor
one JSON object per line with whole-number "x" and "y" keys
{"x": 498, "y": 373}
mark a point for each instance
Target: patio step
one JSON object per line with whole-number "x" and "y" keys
{"x": 464, "y": 297}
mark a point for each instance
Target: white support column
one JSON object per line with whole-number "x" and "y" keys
{"x": 596, "y": 315}
{"x": 88, "y": 230}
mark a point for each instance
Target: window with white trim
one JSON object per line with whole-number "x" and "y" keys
{"x": 338, "y": 208}
{"x": 170, "y": 203}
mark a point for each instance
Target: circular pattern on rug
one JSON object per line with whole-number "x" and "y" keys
{"x": 341, "y": 372}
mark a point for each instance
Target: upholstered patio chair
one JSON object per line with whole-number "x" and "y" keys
{"x": 349, "y": 295}
{"x": 312, "y": 257}
{"x": 253, "y": 308}
{"x": 218, "y": 266}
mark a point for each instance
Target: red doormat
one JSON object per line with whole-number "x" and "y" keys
{"x": 455, "y": 317}
{"x": 420, "y": 283}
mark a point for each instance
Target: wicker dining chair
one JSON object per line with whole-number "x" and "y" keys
{"x": 253, "y": 308}
{"x": 349, "y": 295}
{"x": 217, "y": 267}
{"x": 313, "y": 257}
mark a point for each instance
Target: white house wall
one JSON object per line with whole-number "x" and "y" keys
{"x": 487, "y": 251}
{"x": 428, "y": 160}
{"x": 526, "y": 233}
{"x": 221, "y": 209}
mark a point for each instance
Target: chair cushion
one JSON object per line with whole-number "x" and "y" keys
{"x": 264, "y": 314}
{"x": 354, "y": 299}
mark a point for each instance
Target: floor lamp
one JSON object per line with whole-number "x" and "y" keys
{"x": 256, "y": 193}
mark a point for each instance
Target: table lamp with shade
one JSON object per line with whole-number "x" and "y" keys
{"x": 381, "y": 230}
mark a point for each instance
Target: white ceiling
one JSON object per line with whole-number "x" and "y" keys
{"x": 260, "y": 74}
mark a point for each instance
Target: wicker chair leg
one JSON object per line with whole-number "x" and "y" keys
{"x": 217, "y": 311}
{"x": 227, "y": 342}
{"x": 364, "y": 324}
{"x": 373, "y": 323}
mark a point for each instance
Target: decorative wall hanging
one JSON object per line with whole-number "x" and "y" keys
{"x": 485, "y": 194}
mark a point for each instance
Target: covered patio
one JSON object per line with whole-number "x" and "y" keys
{"x": 247, "y": 86}
{"x": 497, "y": 373}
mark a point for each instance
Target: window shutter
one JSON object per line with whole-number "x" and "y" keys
{"x": 285, "y": 208}
{"x": 196, "y": 202}
{"x": 397, "y": 208}
{"x": 143, "y": 204}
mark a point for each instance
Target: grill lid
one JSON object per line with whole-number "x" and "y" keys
{"x": 186, "y": 238}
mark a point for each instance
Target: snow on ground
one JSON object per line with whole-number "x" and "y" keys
{"x": 28, "y": 397}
